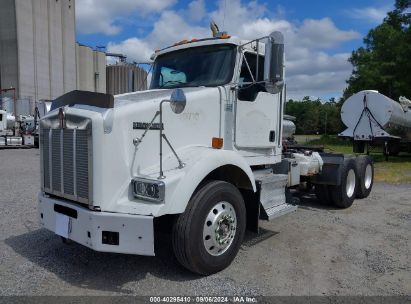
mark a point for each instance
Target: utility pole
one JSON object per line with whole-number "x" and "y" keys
{"x": 325, "y": 128}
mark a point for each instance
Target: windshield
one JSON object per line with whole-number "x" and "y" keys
{"x": 200, "y": 66}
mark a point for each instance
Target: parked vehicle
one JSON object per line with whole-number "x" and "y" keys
{"x": 209, "y": 165}
{"x": 374, "y": 119}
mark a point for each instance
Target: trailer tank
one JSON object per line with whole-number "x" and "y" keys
{"x": 370, "y": 116}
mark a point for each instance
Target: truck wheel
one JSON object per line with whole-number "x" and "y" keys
{"x": 365, "y": 177}
{"x": 343, "y": 195}
{"x": 323, "y": 194}
{"x": 208, "y": 235}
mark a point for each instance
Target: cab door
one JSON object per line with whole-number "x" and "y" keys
{"x": 257, "y": 112}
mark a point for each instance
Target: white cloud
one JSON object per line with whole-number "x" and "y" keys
{"x": 196, "y": 10}
{"x": 134, "y": 48}
{"x": 232, "y": 14}
{"x": 321, "y": 62}
{"x": 313, "y": 68}
{"x": 264, "y": 26}
{"x": 100, "y": 16}
{"x": 374, "y": 15}
{"x": 320, "y": 84}
{"x": 169, "y": 29}
{"x": 323, "y": 33}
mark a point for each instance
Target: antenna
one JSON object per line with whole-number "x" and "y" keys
{"x": 225, "y": 2}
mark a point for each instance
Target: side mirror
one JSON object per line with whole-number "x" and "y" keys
{"x": 274, "y": 62}
{"x": 178, "y": 101}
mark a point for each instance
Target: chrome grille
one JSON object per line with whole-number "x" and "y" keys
{"x": 68, "y": 161}
{"x": 66, "y": 164}
{"x": 56, "y": 160}
{"x": 82, "y": 163}
{"x": 44, "y": 143}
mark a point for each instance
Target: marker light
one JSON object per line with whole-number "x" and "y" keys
{"x": 149, "y": 190}
{"x": 181, "y": 42}
{"x": 217, "y": 142}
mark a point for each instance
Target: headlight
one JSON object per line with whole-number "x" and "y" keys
{"x": 149, "y": 190}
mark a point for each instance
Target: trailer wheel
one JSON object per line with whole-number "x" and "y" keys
{"x": 343, "y": 195}
{"x": 323, "y": 194}
{"x": 365, "y": 177}
{"x": 208, "y": 235}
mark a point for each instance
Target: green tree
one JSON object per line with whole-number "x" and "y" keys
{"x": 384, "y": 63}
{"x": 314, "y": 116}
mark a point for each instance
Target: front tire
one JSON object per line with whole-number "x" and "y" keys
{"x": 208, "y": 235}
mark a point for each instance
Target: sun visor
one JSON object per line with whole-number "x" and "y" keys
{"x": 85, "y": 98}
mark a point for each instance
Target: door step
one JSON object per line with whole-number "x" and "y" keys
{"x": 272, "y": 194}
{"x": 278, "y": 211}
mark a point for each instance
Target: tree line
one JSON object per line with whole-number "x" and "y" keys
{"x": 314, "y": 116}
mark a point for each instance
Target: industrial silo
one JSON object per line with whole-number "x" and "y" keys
{"x": 124, "y": 78}
{"x": 91, "y": 69}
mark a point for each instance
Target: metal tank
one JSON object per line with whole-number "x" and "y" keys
{"x": 124, "y": 78}
{"x": 11, "y": 121}
{"x": 3, "y": 120}
{"x": 370, "y": 116}
{"x": 288, "y": 126}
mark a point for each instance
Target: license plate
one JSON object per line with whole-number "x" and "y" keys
{"x": 62, "y": 225}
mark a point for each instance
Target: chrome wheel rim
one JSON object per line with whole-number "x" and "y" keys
{"x": 219, "y": 228}
{"x": 350, "y": 184}
{"x": 368, "y": 177}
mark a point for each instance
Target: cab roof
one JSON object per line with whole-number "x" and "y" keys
{"x": 185, "y": 44}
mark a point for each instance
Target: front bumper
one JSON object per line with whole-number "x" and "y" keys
{"x": 133, "y": 234}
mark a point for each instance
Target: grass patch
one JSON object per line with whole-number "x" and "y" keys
{"x": 396, "y": 170}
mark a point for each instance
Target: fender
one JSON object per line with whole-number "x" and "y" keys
{"x": 200, "y": 161}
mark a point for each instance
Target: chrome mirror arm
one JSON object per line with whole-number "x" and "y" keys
{"x": 137, "y": 141}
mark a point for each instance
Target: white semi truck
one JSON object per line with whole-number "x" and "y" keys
{"x": 200, "y": 153}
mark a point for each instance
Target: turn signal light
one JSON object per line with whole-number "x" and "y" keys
{"x": 217, "y": 142}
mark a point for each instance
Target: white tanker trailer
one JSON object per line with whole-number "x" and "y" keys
{"x": 373, "y": 118}
{"x": 288, "y": 128}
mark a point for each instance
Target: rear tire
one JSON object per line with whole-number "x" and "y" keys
{"x": 365, "y": 177}
{"x": 343, "y": 195}
{"x": 207, "y": 236}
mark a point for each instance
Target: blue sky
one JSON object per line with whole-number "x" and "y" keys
{"x": 320, "y": 35}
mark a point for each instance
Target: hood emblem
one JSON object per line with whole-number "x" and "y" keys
{"x": 62, "y": 118}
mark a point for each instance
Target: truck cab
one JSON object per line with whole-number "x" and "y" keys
{"x": 201, "y": 148}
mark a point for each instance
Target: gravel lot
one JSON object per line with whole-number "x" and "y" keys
{"x": 364, "y": 250}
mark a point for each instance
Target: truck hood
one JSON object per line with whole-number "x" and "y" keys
{"x": 149, "y": 95}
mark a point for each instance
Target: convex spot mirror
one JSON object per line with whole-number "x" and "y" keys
{"x": 178, "y": 101}
{"x": 274, "y": 62}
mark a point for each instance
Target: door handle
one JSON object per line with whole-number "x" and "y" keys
{"x": 272, "y": 136}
